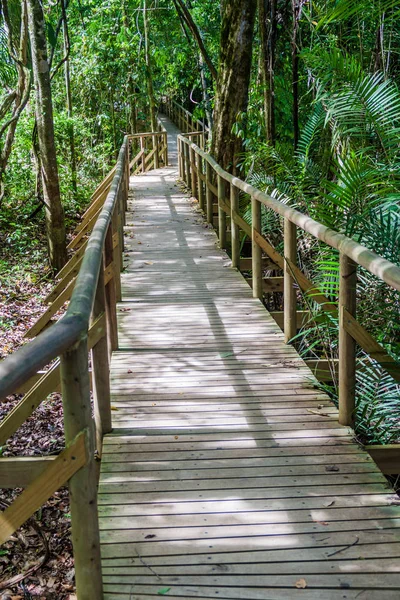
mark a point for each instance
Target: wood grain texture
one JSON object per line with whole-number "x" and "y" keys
{"x": 226, "y": 474}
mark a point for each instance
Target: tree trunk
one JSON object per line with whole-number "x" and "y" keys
{"x": 297, "y": 7}
{"x": 267, "y": 23}
{"x": 183, "y": 11}
{"x": 45, "y": 129}
{"x": 149, "y": 70}
{"x": 18, "y": 98}
{"x": 237, "y": 30}
{"x": 69, "y": 100}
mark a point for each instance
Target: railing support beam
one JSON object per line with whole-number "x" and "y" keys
{"x": 209, "y": 194}
{"x": 235, "y": 241}
{"x": 347, "y": 345}
{"x": 83, "y": 485}
{"x": 289, "y": 291}
{"x": 221, "y": 213}
{"x": 256, "y": 250}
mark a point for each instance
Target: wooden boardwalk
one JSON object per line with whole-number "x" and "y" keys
{"x": 226, "y": 475}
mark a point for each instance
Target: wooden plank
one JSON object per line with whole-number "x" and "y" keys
{"x": 238, "y": 531}
{"x": 85, "y": 230}
{"x": 72, "y": 261}
{"x": 49, "y": 481}
{"x": 55, "y": 306}
{"x": 124, "y": 592}
{"x": 305, "y": 284}
{"x": 47, "y": 384}
{"x": 387, "y": 457}
{"x": 370, "y": 345}
{"x": 22, "y": 471}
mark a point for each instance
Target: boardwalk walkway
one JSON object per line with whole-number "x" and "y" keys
{"x": 226, "y": 475}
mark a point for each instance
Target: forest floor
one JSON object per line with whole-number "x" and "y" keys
{"x": 36, "y": 563}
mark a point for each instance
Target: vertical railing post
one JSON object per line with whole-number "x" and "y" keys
{"x": 180, "y": 168}
{"x": 117, "y": 258}
{"x": 127, "y": 175}
{"x": 142, "y": 147}
{"x": 110, "y": 295}
{"x": 193, "y": 170}
{"x": 166, "y": 148}
{"x": 256, "y": 263}
{"x": 209, "y": 195}
{"x": 235, "y": 227}
{"x": 75, "y": 385}
{"x": 156, "y": 151}
{"x": 187, "y": 167}
{"x": 347, "y": 344}
{"x": 221, "y": 212}
{"x": 100, "y": 370}
{"x": 289, "y": 291}
{"x": 200, "y": 187}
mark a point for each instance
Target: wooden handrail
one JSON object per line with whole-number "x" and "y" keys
{"x": 16, "y": 369}
{"x": 191, "y": 159}
{"x": 91, "y": 281}
{"x": 369, "y": 260}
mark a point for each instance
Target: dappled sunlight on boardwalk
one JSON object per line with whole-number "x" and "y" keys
{"x": 227, "y": 474}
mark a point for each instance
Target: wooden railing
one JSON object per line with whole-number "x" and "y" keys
{"x": 217, "y": 189}
{"x": 91, "y": 282}
{"x": 183, "y": 118}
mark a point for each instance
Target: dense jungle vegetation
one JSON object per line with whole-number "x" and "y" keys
{"x": 303, "y": 100}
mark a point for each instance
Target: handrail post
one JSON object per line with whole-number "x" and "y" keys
{"x": 255, "y": 249}
{"x": 200, "y": 188}
{"x": 347, "y": 345}
{"x": 221, "y": 212}
{"x": 117, "y": 258}
{"x": 83, "y": 484}
{"x": 166, "y": 149}
{"x": 209, "y": 195}
{"x": 187, "y": 169}
{"x": 110, "y": 295}
{"x": 100, "y": 370}
{"x": 235, "y": 227}
{"x": 142, "y": 147}
{"x": 156, "y": 150}
{"x": 181, "y": 160}
{"x": 193, "y": 170}
{"x": 289, "y": 291}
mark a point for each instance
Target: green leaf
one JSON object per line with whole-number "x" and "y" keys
{"x": 163, "y": 591}
{"x": 51, "y": 35}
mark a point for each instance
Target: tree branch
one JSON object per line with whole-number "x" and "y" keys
{"x": 180, "y": 4}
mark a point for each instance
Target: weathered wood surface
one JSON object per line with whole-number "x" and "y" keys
{"x": 227, "y": 474}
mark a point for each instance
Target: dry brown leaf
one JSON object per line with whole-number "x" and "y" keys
{"x": 301, "y": 584}
{"x": 114, "y": 408}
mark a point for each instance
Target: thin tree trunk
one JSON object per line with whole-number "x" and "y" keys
{"x": 45, "y": 130}
{"x": 237, "y": 30}
{"x": 267, "y": 23}
{"x": 182, "y": 9}
{"x": 20, "y": 96}
{"x": 206, "y": 95}
{"x": 297, "y": 7}
{"x": 149, "y": 70}
{"x": 69, "y": 100}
